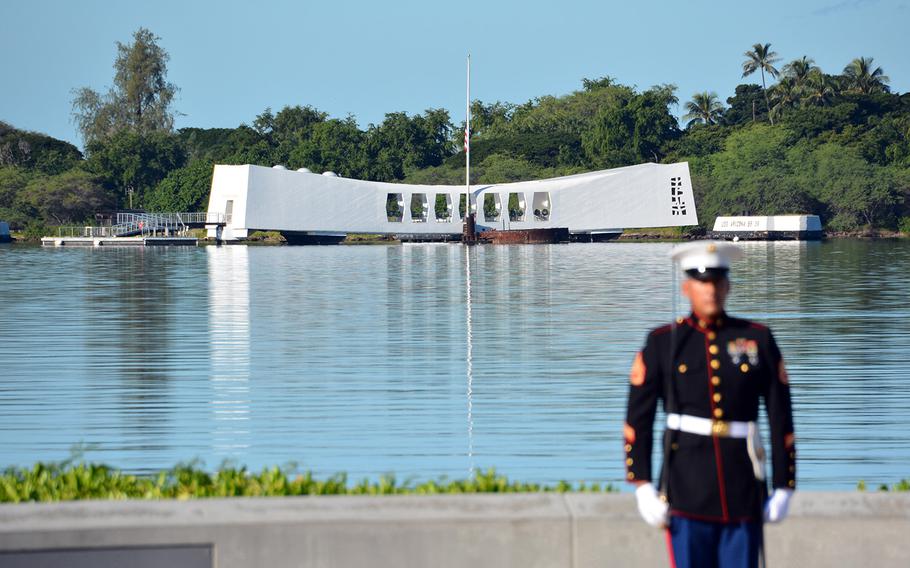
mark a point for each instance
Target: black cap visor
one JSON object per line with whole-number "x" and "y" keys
{"x": 708, "y": 274}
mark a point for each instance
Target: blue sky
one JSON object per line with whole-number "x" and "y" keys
{"x": 233, "y": 59}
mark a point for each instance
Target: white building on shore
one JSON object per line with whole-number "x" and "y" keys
{"x": 309, "y": 207}
{"x": 768, "y": 228}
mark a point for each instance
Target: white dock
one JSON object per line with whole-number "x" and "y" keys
{"x": 118, "y": 241}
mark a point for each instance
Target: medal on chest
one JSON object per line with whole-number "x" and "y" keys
{"x": 743, "y": 350}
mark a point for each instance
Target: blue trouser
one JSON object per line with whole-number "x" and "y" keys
{"x": 703, "y": 544}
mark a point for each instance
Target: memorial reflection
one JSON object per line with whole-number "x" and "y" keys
{"x": 229, "y": 336}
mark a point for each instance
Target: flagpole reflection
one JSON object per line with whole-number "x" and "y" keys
{"x": 469, "y": 361}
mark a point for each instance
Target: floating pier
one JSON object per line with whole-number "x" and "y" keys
{"x": 139, "y": 230}
{"x": 118, "y": 241}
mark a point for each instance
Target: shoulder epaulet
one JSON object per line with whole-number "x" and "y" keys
{"x": 662, "y": 329}
{"x": 740, "y": 322}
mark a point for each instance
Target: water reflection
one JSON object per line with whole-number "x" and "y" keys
{"x": 424, "y": 359}
{"x": 469, "y": 357}
{"x": 229, "y": 333}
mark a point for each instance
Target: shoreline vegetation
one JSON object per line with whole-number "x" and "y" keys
{"x": 71, "y": 481}
{"x": 77, "y": 480}
{"x": 804, "y": 140}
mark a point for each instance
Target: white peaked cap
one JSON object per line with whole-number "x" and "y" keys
{"x": 701, "y": 255}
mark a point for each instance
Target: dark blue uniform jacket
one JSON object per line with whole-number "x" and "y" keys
{"x": 719, "y": 371}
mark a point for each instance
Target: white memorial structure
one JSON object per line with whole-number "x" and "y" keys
{"x": 309, "y": 207}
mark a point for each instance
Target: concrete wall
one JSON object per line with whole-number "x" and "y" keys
{"x": 572, "y": 530}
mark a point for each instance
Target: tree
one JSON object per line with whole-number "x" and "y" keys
{"x": 140, "y": 99}
{"x": 70, "y": 197}
{"x": 703, "y": 108}
{"x": 133, "y": 164}
{"x": 799, "y": 69}
{"x": 336, "y": 145}
{"x": 599, "y": 83}
{"x": 36, "y": 151}
{"x": 745, "y": 105}
{"x": 504, "y": 169}
{"x": 402, "y": 143}
{"x": 633, "y": 130}
{"x": 12, "y": 181}
{"x": 761, "y": 58}
{"x": 699, "y": 141}
{"x": 862, "y": 77}
{"x": 786, "y": 94}
{"x": 752, "y": 176}
{"x": 818, "y": 88}
{"x": 487, "y": 120}
{"x": 856, "y": 192}
{"x": 184, "y": 189}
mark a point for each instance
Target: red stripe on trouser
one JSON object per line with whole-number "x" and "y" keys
{"x": 670, "y": 549}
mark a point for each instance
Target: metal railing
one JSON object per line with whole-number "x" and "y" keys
{"x": 84, "y": 231}
{"x": 176, "y": 219}
{"x": 147, "y": 224}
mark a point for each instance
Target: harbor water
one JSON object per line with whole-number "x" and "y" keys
{"x": 424, "y": 360}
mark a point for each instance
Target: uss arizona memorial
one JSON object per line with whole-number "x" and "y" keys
{"x": 307, "y": 207}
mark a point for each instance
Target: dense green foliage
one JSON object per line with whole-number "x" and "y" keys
{"x": 835, "y": 145}
{"x": 69, "y": 481}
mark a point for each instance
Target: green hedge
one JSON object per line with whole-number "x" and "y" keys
{"x": 76, "y": 481}
{"x": 902, "y": 485}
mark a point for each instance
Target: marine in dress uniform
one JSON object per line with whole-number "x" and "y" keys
{"x": 710, "y": 371}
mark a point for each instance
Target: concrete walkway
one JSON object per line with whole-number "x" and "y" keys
{"x": 476, "y": 531}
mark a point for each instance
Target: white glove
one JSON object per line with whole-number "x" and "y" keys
{"x": 776, "y": 507}
{"x": 652, "y": 508}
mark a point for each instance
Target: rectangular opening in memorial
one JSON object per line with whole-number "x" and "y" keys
{"x": 394, "y": 207}
{"x": 492, "y": 207}
{"x": 541, "y": 205}
{"x": 516, "y": 207}
{"x": 419, "y": 208}
{"x": 443, "y": 208}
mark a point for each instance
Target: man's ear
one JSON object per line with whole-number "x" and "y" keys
{"x": 686, "y": 287}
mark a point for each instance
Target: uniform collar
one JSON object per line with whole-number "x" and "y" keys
{"x": 705, "y": 324}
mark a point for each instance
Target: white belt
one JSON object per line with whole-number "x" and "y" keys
{"x": 708, "y": 427}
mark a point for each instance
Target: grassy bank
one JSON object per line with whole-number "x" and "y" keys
{"x": 79, "y": 481}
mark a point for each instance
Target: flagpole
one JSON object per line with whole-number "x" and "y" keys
{"x": 467, "y": 143}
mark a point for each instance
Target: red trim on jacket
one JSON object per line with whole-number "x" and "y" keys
{"x": 662, "y": 329}
{"x": 717, "y": 457}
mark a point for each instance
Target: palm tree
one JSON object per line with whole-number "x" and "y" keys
{"x": 863, "y": 78}
{"x": 761, "y": 58}
{"x": 819, "y": 88}
{"x": 785, "y": 94}
{"x": 799, "y": 69}
{"x": 703, "y": 108}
